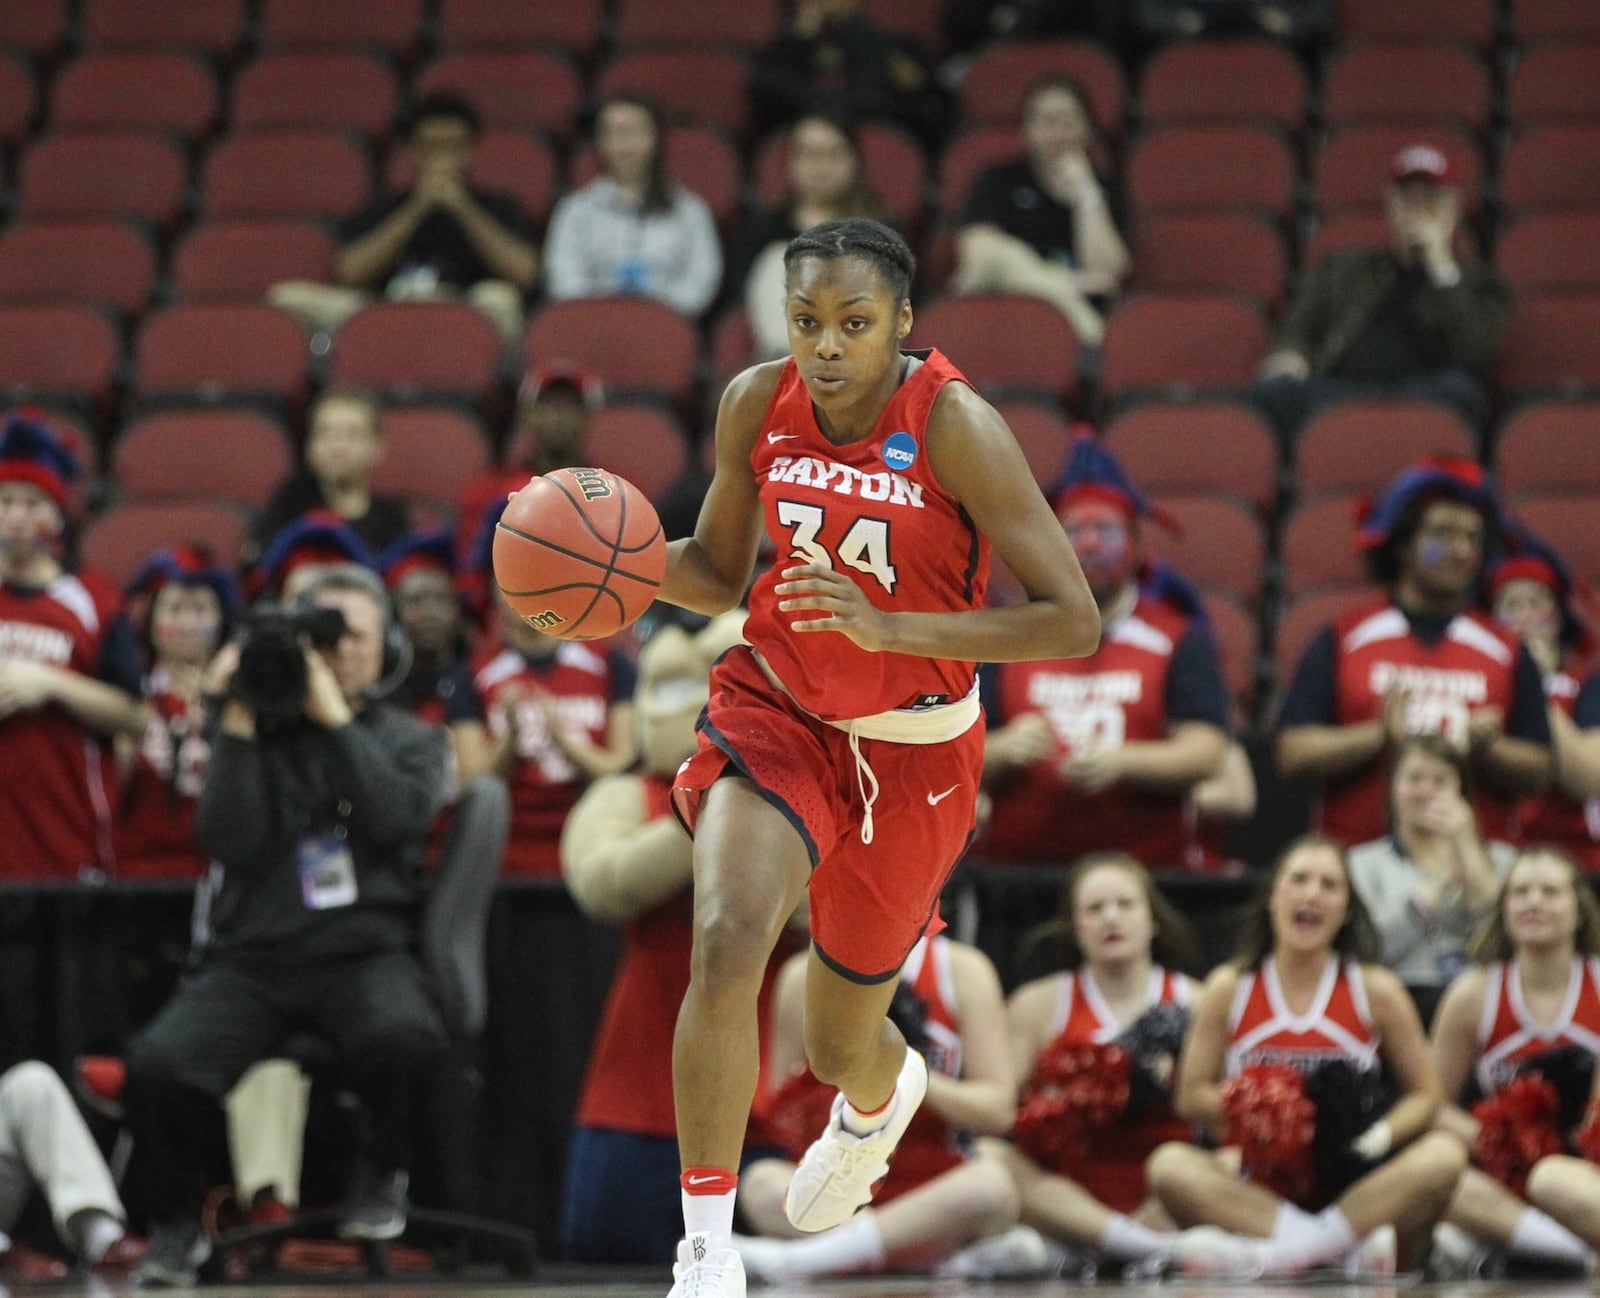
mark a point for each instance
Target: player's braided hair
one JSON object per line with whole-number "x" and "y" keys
{"x": 857, "y": 237}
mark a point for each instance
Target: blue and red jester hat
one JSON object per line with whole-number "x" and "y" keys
{"x": 1528, "y": 557}
{"x": 32, "y": 451}
{"x": 319, "y": 536}
{"x": 182, "y": 565}
{"x": 1432, "y": 478}
{"x": 433, "y": 549}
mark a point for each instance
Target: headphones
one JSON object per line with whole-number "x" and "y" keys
{"x": 398, "y": 655}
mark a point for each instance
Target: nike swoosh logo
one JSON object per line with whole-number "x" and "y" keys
{"x": 934, "y": 799}
{"x": 700, "y": 1180}
{"x": 781, "y": 437}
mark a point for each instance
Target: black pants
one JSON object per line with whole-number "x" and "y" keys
{"x": 374, "y": 1011}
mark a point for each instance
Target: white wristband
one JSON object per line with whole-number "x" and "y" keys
{"x": 1376, "y": 1141}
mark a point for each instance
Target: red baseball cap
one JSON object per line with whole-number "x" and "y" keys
{"x": 562, "y": 374}
{"x": 1422, "y": 162}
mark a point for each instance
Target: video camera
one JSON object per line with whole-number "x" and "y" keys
{"x": 271, "y": 676}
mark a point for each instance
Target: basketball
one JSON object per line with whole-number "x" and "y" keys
{"x": 579, "y": 553}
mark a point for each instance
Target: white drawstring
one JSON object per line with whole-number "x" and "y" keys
{"x": 864, "y": 776}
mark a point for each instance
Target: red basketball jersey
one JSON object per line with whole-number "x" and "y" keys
{"x": 1473, "y": 666}
{"x": 874, "y": 510}
{"x": 56, "y": 777}
{"x": 1554, "y": 817}
{"x": 1338, "y": 1024}
{"x": 544, "y": 781}
{"x": 1508, "y": 1033}
{"x": 155, "y": 828}
{"x": 1116, "y": 695}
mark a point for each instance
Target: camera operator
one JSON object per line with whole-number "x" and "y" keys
{"x": 313, "y": 813}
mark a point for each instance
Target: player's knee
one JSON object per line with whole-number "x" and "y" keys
{"x": 731, "y": 943}
{"x": 991, "y": 1196}
{"x": 1552, "y": 1184}
{"x": 1440, "y": 1159}
{"x": 28, "y": 1084}
{"x": 1170, "y": 1167}
{"x": 836, "y": 1058}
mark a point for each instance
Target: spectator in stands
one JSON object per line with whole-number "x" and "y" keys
{"x": 442, "y": 238}
{"x": 1126, "y": 946}
{"x": 316, "y": 819}
{"x": 835, "y": 58}
{"x": 560, "y": 714}
{"x": 632, "y": 230}
{"x": 69, "y": 673}
{"x": 1103, "y": 752}
{"x": 1431, "y": 880}
{"x": 969, "y": 24}
{"x": 1407, "y": 320}
{"x": 626, "y": 860}
{"x": 1042, "y": 224}
{"x": 826, "y": 182}
{"x": 185, "y": 606}
{"x": 1532, "y": 592}
{"x": 940, "y": 1196}
{"x": 1533, "y": 992}
{"x": 1304, "y": 991}
{"x": 344, "y": 442}
{"x": 1418, "y": 658}
{"x": 1295, "y": 22}
{"x": 45, "y": 1145}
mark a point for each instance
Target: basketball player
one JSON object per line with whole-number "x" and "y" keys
{"x": 841, "y": 751}
{"x": 1301, "y": 993}
{"x": 1537, "y": 989}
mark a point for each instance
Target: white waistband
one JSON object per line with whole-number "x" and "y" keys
{"x": 935, "y": 725}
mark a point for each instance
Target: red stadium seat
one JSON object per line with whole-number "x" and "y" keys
{"x": 505, "y": 162}
{"x": 340, "y": 91}
{"x": 749, "y": 24}
{"x": 243, "y": 259}
{"x": 221, "y": 351}
{"x": 969, "y": 154}
{"x": 641, "y": 443}
{"x": 394, "y": 25}
{"x": 19, "y": 100}
{"x": 517, "y": 90}
{"x": 699, "y": 159}
{"x": 215, "y": 28}
{"x": 237, "y": 457}
{"x": 65, "y": 352}
{"x": 1386, "y": 84}
{"x": 107, "y": 263}
{"x": 572, "y": 25}
{"x": 1360, "y": 445}
{"x": 1566, "y": 20}
{"x": 1317, "y": 550}
{"x": 1224, "y": 83}
{"x": 1551, "y": 252}
{"x": 1212, "y": 169}
{"x": 1552, "y": 167}
{"x": 1217, "y": 252}
{"x": 430, "y": 453}
{"x": 733, "y": 346}
{"x": 285, "y": 174}
{"x": 1549, "y": 446}
{"x": 915, "y": 18}
{"x": 1566, "y": 523}
{"x": 635, "y": 346}
{"x": 1352, "y": 168}
{"x": 1555, "y": 82}
{"x": 412, "y": 349}
{"x": 110, "y": 175}
{"x": 1043, "y": 434}
{"x": 33, "y": 27}
{"x": 1000, "y": 77}
{"x": 894, "y": 164}
{"x": 707, "y": 87}
{"x": 1222, "y": 546}
{"x": 1008, "y": 344}
{"x": 1198, "y": 448}
{"x": 137, "y": 92}
{"x": 117, "y": 542}
{"x": 1468, "y": 22}
{"x": 1181, "y": 344}
{"x": 1346, "y": 230}
{"x": 1238, "y": 635}
{"x": 1303, "y": 618}
{"x": 1550, "y": 344}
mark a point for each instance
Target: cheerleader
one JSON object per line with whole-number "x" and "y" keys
{"x": 1087, "y": 1188}
{"x": 1301, "y": 1000}
{"x": 1531, "y": 1006}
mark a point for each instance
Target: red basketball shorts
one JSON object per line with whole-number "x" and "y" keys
{"x": 870, "y": 902}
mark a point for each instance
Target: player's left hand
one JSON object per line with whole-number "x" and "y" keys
{"x": 24, "y": 686}
{"x": 839, "y": 600}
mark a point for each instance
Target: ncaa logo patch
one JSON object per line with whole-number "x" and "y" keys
{"x": 900, "y": 451}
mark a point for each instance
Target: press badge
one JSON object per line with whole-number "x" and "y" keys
{"x": 327, "y": 872}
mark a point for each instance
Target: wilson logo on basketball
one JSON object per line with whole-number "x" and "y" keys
{"x": 592, "y": 483}
{"x": 544, "y": 621}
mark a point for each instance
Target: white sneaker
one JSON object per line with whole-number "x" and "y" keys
{"x": 763, "y": 1258}
{"x": 1375, "y": 1258}
{"x": 1212, "y": 1251}
{"x": 839, "y": 1170}
{"x": 705, "y": 1272}
{"x": 1017, "y": 1254}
